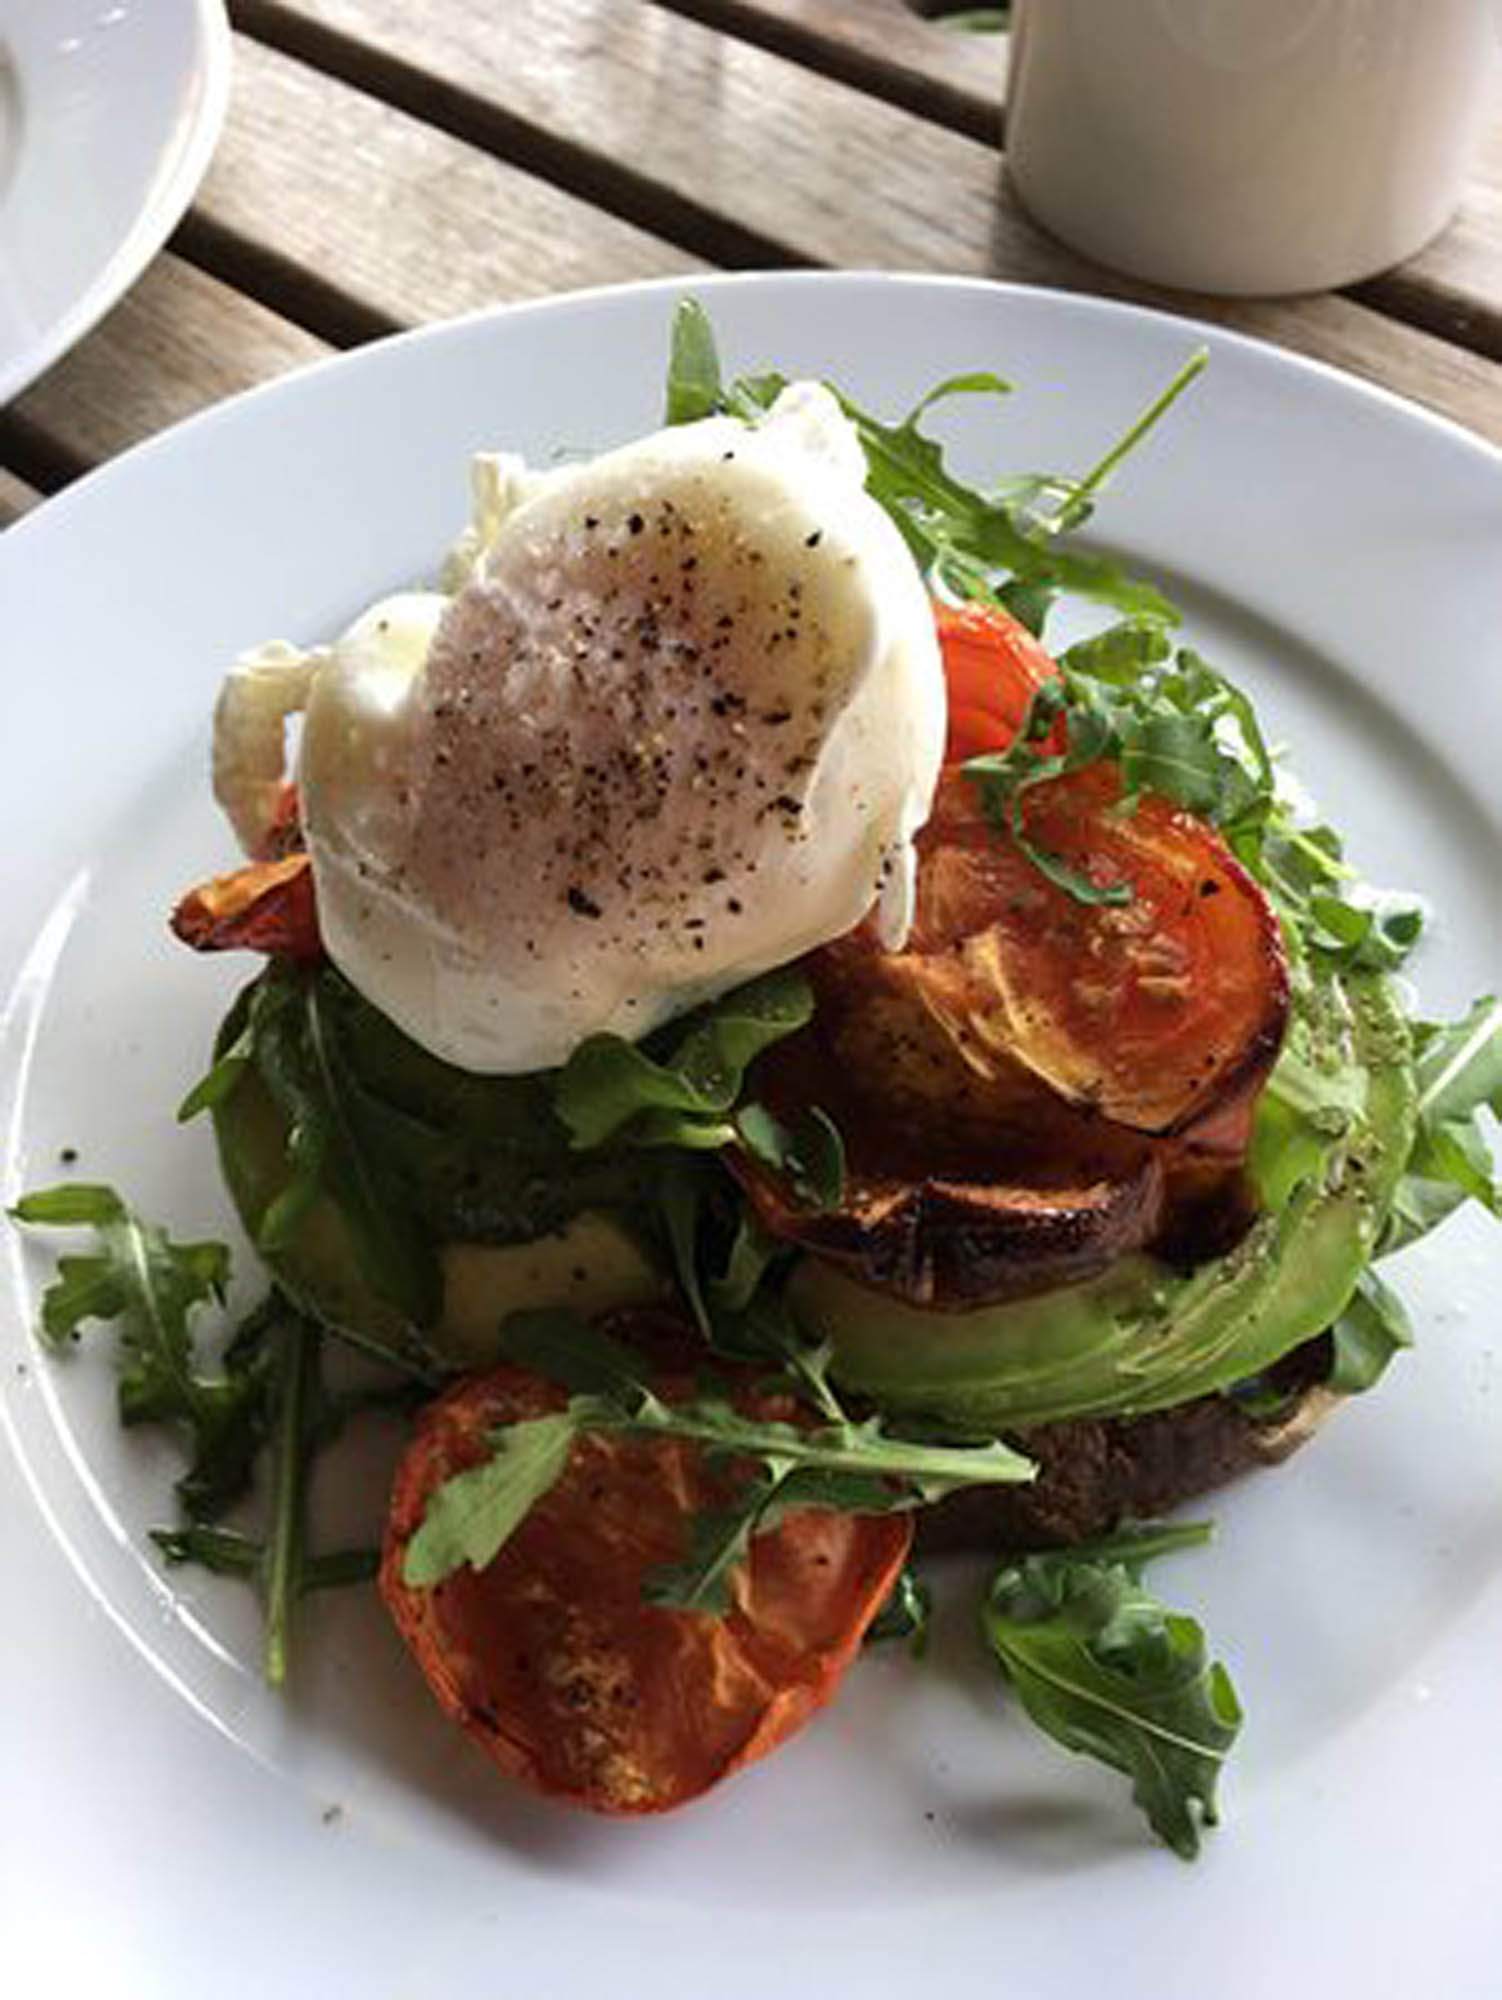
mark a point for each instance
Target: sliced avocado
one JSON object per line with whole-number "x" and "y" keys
{"x": 590, "y": 1262}
{"x": 318, "y": 1269}
{"x": 590, "y": 1265}
{"x": 1142, "y": 1336}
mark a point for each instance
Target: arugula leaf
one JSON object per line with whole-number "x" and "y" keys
{"x": 678, "y": 1088}
{"x": 906, "y": 1613}
{"x": 226, "y": 1552}
{"x": 976, "y": 382}
{"x": 1460, "y": 1064}
{"x": 1077, "y": 506}
{"x": 1134, "y": 1544}
{"x": 152, "y": 1287}
{"x": 846, "y": 1465}
{"x": 575, "y": 1353}
{"x": 719, "y": 1252}
{"x": 295, "y": 1400}
{"x": 680, "y": 1209}
{"x": 413, "y": 1151}
{"x": 720, "y": 1539}
{"x": 1104, "y": 1668}
{"x": 1459, "y": 1072}
{"x": 930, "y": 1470}
{"x": 477, "y": 1159}
{"x": 974, "y": 545}
{"x": 471, "y": 1516}
{"x": 693, "y": 388}
{"x": 809, "y": 1154}
{"x": 719, "y": 1544}
{"x": 301, "y": 1420}
{"x": 753, "y": 1251}
{"x": 230, "y": 1065}
{"x": 267, "y": 1400}
{"x": 1371, "y": 1330}
{"x": 1119, "y": 653}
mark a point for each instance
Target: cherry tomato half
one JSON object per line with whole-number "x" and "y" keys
{"x": 993, "y": 667}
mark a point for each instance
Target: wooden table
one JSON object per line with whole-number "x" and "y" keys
{"x": 386, "y": 163}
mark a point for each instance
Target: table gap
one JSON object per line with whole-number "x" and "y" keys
{"x": 1464, "y": 322}
{"x": 618, "y": 189}
{"x": 829, "y": 54}
{"x": 280, "y": 283}
{"x": 34, "y": 457}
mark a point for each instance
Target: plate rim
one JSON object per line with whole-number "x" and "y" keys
{"x": 690, "y": 284}
{"x": 663, "y": 287}
{"x": 212, "y": 55}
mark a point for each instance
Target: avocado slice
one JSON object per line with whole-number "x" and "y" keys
{"x": 585, "y": 1258}
{"x": 1142, "y": 1336}
{"x": 318, "y": 1268}
{"x": 591, "y": 1263}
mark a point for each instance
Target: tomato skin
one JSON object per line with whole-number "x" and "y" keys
{"x": 266, "y": 906}
{"x": 993, "y": 666}
{"x": 551, "y": 1659}
{"x": 1156, "y": 1013}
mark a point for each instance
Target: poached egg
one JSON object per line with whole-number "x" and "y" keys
{"x": 679, "y": 726}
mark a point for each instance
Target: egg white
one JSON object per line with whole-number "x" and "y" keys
{"x": 679, "y": 726}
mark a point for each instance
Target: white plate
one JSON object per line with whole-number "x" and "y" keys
{"x": 109, "y": 110}
{"x": 163, "y": 1812}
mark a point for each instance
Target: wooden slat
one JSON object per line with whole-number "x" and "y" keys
{"x": 16, "y": 497}
{"x": 398, "y": 216}
{"x": 794, "y": 158}
{"x": 891, "y": 32}
{"x": 830, "y": 174}
{"x": 176, "y": 343}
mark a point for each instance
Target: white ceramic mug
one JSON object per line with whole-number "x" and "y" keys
{"x": 1251, "y": 146}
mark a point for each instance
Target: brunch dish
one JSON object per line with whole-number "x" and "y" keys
{"x": 108, "y": 116}
{"x": 799, "y": 1021}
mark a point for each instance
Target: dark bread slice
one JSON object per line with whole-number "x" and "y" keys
{"x": 1096, "y": 1472}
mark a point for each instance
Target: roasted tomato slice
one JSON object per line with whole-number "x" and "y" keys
{"x": 553, "y": 1661}
{"x": 266, "y": 906}
{"x": 1036, "y": 1085}
{"x": 1154, "y": 1012}
{"x": 993, "y": 666}
{"x": 964, "y": 1185}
